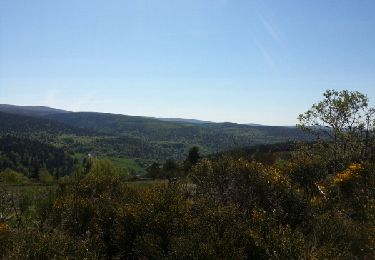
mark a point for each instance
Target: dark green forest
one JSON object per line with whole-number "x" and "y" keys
{"x": 135, "y": 137}
{"x": 103, "y": 186}
{"x": 29, "y": 157}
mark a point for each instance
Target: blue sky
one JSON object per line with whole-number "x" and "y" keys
{"x": 222, "y": 60}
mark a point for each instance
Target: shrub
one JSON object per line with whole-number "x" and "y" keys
{"x": 12, "y": 177}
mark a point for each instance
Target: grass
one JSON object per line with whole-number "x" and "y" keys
{"x": 128, "y": 164}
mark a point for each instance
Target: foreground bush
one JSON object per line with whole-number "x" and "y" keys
{"x": 235, "y": 209}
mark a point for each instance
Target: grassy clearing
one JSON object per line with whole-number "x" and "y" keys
{"x": 128, "y": 164}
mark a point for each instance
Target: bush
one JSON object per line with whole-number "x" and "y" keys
{"x": 9, "y": 176}
{"x": 45, "y": 177}
{"x": 33, "y": 244}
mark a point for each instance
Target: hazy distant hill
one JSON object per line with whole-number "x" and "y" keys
{"x": 28, "y": 126}
{"x": 30, "y": 110}
{"x": 225, "y": 134}
{"x": 142, "y": 137}
{"x": 183, "y": 120}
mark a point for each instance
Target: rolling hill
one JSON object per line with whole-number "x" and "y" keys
{"x": 147, "y": 138}
{"x": 29, "y": 126}
{"x": 30, "y": 110}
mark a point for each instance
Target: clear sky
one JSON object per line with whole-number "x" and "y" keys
{"x": 221, "y": 60}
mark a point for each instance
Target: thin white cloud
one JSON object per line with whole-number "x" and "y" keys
{"x": 84, "y": 101}
{"x": 271, "y": 29}
{"x": 58, "y": 98}
{"x": 266, "y": 55}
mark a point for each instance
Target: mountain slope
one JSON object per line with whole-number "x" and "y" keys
{"x": 20, "y": 125}
{"x": 156, "y": 129}
{"x": 142, "y": 137}
{"x": 184, "y": 120}
{"x": 30, "y": 110}
{"x": 210, "y": 136}
{"x": 28, "y": 157}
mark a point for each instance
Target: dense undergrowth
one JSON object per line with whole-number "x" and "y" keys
{"x": 226, "y": 209}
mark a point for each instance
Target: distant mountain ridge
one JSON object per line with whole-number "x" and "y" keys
{"x": 185, "y": 120}
{"x": 45, "y": 110}
{"x": 27, "y": 126}
{"x": 30, "y": 110}
{"x": 135, "y": 136}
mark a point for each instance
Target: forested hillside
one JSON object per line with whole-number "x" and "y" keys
{"x": 19, "y": 125}
{"x": 30, "y": 110}
{"x": 151, "y": 129}
{"x": 30, "y": 157}
{"x": 136, "y": 137}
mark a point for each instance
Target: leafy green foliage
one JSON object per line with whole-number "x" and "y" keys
{"x": 344, "y": 124}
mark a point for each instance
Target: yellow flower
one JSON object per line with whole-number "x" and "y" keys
{"x": 4, "y": 229}
{"x": 348, "y": 174}
{"x": 355, "y": 167}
